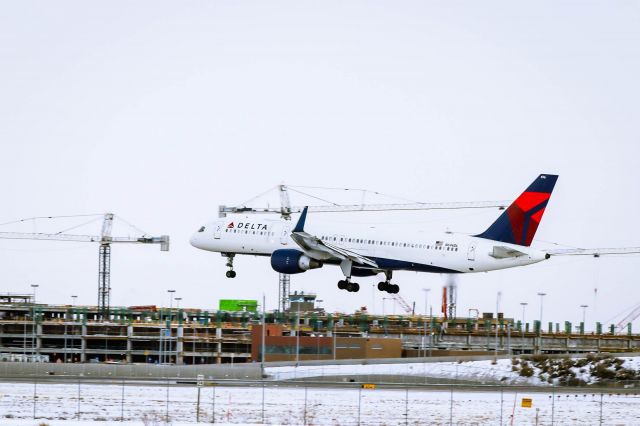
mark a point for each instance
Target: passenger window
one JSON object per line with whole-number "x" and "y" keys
{"x": 201, "y": 229}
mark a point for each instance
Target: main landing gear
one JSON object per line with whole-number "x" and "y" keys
{"x": 348, "y": 285}
{"x": 387, "y": 286}
{"x": 230, "y": 273}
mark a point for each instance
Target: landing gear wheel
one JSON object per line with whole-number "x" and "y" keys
{"x": 382, "y": 286}
{"x": 394, "y": 288}
{"x": 230, "y": 273}
{"x": 352, "y": 287}
{"x": 342, "y": 285}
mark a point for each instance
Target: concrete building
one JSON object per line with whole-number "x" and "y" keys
{"x": 146, "y": 334}
{"x": 282, "y": 345}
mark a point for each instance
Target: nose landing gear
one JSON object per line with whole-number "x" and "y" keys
{"x": 230, "y": 273}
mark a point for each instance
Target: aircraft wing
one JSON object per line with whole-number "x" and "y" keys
{"x": 321, "y": 250}
{"x": 317, "y": 248}
{"x": 596, "y": 252}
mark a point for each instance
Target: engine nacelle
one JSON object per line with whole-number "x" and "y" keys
{"x": 289, "y": 261}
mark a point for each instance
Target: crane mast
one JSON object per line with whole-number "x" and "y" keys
{"x": 284, "y": 280}
{"x": 105, "y": 239}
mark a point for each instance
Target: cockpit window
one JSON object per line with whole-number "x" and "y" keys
{"x": 201, "y": 229}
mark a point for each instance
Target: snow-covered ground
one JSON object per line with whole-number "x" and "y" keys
{"x": 477, "y": 371}
{"x": 57, "y": 404}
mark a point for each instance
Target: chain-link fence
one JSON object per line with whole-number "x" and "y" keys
{"x": 312, "y": 404}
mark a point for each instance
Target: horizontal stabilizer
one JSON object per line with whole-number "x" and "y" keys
{"x": 503, "y": 252}
{"x": 596, "y": 252}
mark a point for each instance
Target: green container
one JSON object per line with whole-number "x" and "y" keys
{"x": 598, "y": 328}
{"x": 238, "y": 305}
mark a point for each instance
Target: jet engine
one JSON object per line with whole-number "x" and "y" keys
{"x": 289, "y": 261}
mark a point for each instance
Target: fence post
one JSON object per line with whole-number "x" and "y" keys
{"x": 198, "y": 407}
{"x": 122, "y": 403}
{"x": 213, "y": 404}
{"x": 166, "y": 419}
{"x": 359, "y": 403}
{"x": 78, "y": 412}
{"x": 406, "y": 407}
{"x": 35, "y": 396}
{"x": 451, "y": 408}
{"x": 601, "y": 396}
{"x": 553, "y": 405}
{"x": 304, "y": 414}
{"x": 501, "y": 403}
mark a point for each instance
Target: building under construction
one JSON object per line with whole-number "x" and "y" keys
{"x": 148, "y": 334}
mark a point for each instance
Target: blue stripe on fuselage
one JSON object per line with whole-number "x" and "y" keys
{"x": 396, "y": 265}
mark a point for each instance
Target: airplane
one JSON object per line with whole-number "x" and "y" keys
{"x": 367, "y": 251}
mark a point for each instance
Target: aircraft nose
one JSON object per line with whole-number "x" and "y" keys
{"x": 195, "y": 240}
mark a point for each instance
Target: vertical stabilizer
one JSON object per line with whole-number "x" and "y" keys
{"x": 518, "y": 224}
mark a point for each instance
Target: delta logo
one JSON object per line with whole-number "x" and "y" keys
{"x": 249, "y": 226}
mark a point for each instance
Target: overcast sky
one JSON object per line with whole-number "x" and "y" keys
{"x": 160, "y": 111}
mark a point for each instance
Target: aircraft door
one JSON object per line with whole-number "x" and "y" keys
{"x": 471, "y": 253}
{"x": 284, "y": 234}
{"x": 218, "y": 230}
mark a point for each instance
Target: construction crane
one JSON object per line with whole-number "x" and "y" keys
{"x": 285, "y": 210}
{"x": 635, "y": 313}
{"x": 105, "y": 239}
{"x": 403, "y": 304}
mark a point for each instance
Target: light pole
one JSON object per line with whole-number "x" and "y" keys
{"x": 263, "y": 336}
{"x": 426, "y": 311}
{"x": 171, "y": 293}
{"x": 595, "y": 305}
{"x": 498, "y": 296}
{"x": 426, "y": 295}
{"x": 73, "y": 300}
{"x": 178, "y": 299}
{"x": 584, "y": 314}
{"x": 34, "y": 287}
{"x": 167, "y": 340}
{"x": 298, "y": 335}
{"x": 33, "y": 325}
{"x": 542, "y": 295}
{"x": 524, "y": 305}
{"x": 373, "y": 298}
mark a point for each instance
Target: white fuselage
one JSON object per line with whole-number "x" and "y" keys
{"x": 398, "y": 250}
